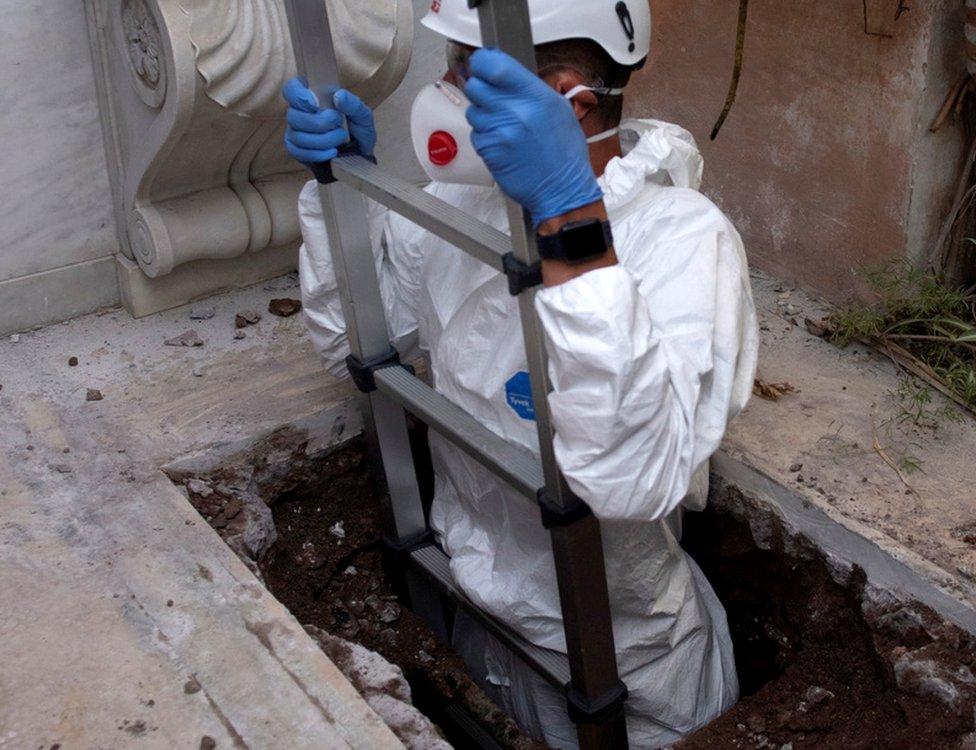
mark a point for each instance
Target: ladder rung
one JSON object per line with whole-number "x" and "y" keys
{"x": 551, "y": 665}
{"x": 480, "y": 240}
{"x": 512, "y": 463}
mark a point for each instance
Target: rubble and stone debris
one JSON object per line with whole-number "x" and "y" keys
{"x": 72, "y": 361}
{"x": 284, "y": 308}
{"x": 202, "y": 312}
{"x": 93, "y": 394}
{"x": 188, "y": 338}
{"x": 385, "y": 689}
{"x": 247, "y": 318}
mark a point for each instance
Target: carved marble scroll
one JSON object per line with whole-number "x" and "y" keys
{"x": 189, "y": 94}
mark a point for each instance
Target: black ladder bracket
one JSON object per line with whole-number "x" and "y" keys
{"x": 401, "y": 549}
{"x": 363, "y": 373}
{"x": 323, "y": 171}
{"x": 555, "y": 515}
{"x": 521, "y": 275}
{"x": 603, "y": 708}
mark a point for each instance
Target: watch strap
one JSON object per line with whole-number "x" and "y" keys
{"x": 577, "y": 241}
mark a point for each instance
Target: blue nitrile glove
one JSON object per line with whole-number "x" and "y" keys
{"x": 315, "y": 135}
{"x": 528, "y": 136}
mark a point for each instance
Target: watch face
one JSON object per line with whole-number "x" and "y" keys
{"x": 577, "y": 241}
{"x": 584, "y": 240}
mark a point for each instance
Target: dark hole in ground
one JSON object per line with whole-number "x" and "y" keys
{"x": 810, "y": 666}
{"x": 812, "y": 671}
{"x": 327, "y": 568}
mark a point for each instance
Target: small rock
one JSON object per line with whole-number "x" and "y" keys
{"x": 239, "y": 335}
{"x": 424, "y": 657}
{"x": 816, "y": 328}
{"x": 388, "y": 636}
{"x": 787, "y": 746}
{"x": 386, "y": 612}
{"x": 816, "y": 695}
{"x": 284, "y": 308}
{"x": 356, "y": 607}
{"x": 792, "y": 309}
{"x": 197, "y": 372}
{"x": 207, "y": 743}
{"x": 202, "y": 312}
{"x": 756, "y": 723}
{"x": 338, "y": 530}
{"x": 93, "y": 394}
{"x": 62, "y": 468}
{"x": 350, "y": 571}
{"x": 72, "y": 361}
{"x": 247, "y": 318}
{"x": 14, "y": 338}
{"x": 187, "y": 338}
{"x": 199, "y": 487}
{"x": 795, "y": 468}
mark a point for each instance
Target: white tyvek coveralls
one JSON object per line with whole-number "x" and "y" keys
{"x": 648, "y": 360}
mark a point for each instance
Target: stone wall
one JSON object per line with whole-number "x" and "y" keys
{"x": 58, "y": 238}
{"x": 825, "y": 164}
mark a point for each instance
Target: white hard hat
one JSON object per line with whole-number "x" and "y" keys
{"x": 621, "y": 27}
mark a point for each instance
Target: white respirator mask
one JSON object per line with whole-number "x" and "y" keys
{"x": 442, "y": 135}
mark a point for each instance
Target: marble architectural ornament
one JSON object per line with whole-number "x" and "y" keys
{"x": 244, "y": 50}
{"x": 142, "y": 39}
{"x": 193, "y": 119}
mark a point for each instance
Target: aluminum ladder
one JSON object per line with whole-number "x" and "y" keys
{"x": 588, "y": 673}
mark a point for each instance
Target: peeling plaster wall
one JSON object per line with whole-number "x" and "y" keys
{"x": 825, "y": 164}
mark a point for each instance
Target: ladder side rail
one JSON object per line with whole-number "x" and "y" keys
{"x": 577, "y": 547}
{"x": 480, "y": 240}
{"x": 346, "y": 221}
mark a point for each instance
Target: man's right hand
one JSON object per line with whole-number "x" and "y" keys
{"x": 315, "y": 135}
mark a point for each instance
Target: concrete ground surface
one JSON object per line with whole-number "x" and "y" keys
{"x": 125, "y": 621}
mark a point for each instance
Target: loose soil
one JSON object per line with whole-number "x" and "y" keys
{"x": 817, "y": 666}
{"x": 813, "y": 673}
{"x": 327, "y": 568}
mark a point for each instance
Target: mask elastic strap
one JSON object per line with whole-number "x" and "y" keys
{"x": 603, "y": 136}
{"x": 577, "y": 90}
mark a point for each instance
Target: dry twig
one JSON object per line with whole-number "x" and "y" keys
{"x": 956, "y": 94}
{"x": 887, "y": 459}
{"x": 740, "y": 45}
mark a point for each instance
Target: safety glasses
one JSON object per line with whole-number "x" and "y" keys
{"x": 459, "y": 61}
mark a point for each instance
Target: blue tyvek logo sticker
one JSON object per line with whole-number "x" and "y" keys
{"x": 518, "y": 393}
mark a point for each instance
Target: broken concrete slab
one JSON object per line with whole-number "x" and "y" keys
{"x": 116, "y": 594}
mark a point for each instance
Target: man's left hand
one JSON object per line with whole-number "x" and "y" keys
{"x": 529, "y": 137}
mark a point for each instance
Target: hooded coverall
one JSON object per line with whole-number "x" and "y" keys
{"x": 649, "y": 360}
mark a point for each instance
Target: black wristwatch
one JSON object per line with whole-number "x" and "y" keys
{"x": 577, "y": 241}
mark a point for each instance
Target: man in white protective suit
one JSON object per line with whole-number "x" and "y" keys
{"x": 652, "y": 338}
